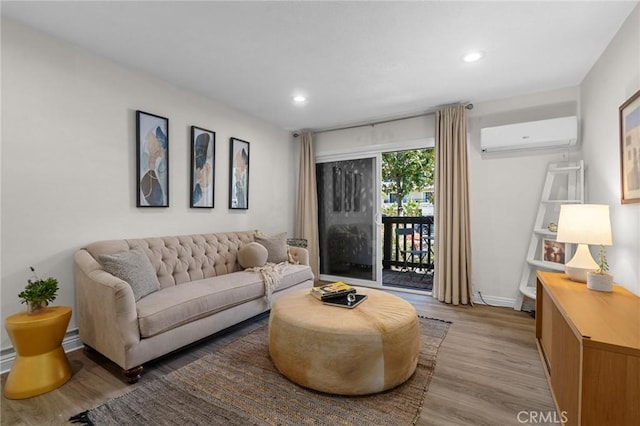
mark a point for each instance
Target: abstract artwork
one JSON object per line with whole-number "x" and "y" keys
{"x": 630, "y": 149}
{"x": 203, "y": 147}
{"x": 238, "y": 174}
{"x": 152, "y": 160}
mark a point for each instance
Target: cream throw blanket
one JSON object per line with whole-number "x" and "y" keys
{"x": 271, "y": 275}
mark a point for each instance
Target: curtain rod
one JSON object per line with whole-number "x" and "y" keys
{"x": 468, "y": 106}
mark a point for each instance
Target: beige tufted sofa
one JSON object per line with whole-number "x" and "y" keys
{"x": 203, "y": 289}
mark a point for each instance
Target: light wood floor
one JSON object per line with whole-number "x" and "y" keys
{"x": 487, "y": 371}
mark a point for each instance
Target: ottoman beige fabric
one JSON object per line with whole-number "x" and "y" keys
{"x": 368, "y": 349}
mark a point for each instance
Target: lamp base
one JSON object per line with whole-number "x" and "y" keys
{"x": 580, "y": 264}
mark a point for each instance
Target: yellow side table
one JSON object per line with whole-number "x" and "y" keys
{"x": 41, "y": 364}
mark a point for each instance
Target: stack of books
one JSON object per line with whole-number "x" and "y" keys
{"x": 338, "y": 294}
{"x": 329, "y": 291}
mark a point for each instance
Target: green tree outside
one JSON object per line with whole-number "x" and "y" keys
{"x": 409, "y": 171}
{"x": 412, "y": 209}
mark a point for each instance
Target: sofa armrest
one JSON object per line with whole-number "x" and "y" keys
{"x": 105, "y": 310}
{"x": 299, "y": 254}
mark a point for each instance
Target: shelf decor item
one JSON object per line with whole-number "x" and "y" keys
{"x": 38, "y": 293}
{"x": 239, "y": 174}
{"x": 203, "y": 156}
{"x": 583, "y": 224}
{"x": 630, "y": 149}
{"x": 553, "y": 251}
{"x": 152, "y": 160}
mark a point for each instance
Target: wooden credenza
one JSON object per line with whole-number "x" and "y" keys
{"x": 589, "y": 342}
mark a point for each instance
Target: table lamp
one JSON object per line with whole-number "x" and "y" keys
{"x": 583, "y": 224}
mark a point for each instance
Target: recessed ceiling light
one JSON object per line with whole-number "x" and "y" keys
{"x": 299, "y": 99}
{"x": 472, "y": 56}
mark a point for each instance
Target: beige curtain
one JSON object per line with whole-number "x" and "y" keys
{"x": 452, "y": 281}
{"x": 307, "y": 207}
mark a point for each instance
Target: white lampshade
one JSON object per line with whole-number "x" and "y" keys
{"x": 583, "y": 224}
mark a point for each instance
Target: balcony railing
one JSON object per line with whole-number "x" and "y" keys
{"x": 408, "y": 249}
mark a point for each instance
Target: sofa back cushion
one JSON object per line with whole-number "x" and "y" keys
{"x": 185, "y": 258}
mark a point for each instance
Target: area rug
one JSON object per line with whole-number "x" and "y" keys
{"x": 239, "y": 385}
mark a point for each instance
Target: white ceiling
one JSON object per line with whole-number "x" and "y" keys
{"x": 356, "y": 61}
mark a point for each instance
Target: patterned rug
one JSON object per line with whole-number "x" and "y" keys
{"x": 238, "y": 385}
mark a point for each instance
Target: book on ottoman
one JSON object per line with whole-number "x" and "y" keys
{"x": 329, "y": 291}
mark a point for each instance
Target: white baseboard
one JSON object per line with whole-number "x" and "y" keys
{"x": 71, "y": 342}
{"x": 493, "y": 300}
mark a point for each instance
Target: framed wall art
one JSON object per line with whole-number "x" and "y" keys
{"x": 203, "y": 158}
{"x": 630, "y": 149}
{"x": 152, "y": 160}
{"x": 238, "y": 174}
{"x": 553, "y": 251}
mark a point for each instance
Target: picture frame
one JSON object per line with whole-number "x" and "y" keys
{"x": 238, "y": 174}
{"x": 152, "y": 160}
{"x": 629, "y": 117}
{"x": 554, "y": 251}
{"x": 203, "y": 158}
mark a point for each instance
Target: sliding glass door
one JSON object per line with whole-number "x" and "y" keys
{"x": 347, "y": 210}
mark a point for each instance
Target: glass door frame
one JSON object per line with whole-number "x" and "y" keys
{"x": 377, "y": 157}
{"x": 374, "y": 151}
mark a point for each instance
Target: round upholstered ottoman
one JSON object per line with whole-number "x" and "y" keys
{"x": 370, "y": 348}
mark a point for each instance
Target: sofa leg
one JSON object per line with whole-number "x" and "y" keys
{"x": 132, "y": 375}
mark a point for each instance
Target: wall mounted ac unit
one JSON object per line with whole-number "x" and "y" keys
{"x": 552, "y": 133}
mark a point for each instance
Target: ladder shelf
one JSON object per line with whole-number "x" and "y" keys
{"x": 564, "y": 184}
{"x": 544, "y": 231}
{"x": 546, "y": 265}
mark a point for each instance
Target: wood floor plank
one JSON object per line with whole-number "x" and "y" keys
{"x": 486, "y": 372}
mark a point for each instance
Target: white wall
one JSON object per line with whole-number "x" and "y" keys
{"x": 68, "y": 161}
{"x": 505, "y": 188}
{"x": 613, "y": 79}
{"x": 505, "y": 191}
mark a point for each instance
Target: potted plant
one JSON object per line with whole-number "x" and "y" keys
{"x": 599, "y": 279}
{"x": 38, "y": 293}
